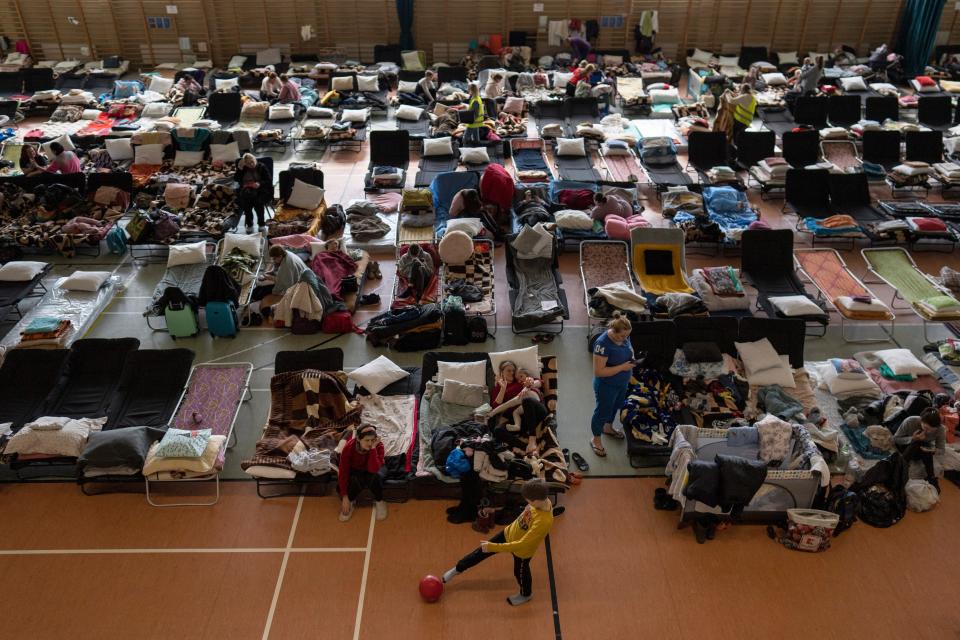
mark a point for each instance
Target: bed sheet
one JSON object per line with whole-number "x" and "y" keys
{"x": 395, "y": 417}
{"x": 81, "y": 308}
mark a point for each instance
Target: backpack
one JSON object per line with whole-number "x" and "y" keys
{"x": 455, "y": 329}
{"x": 418, "y": 340}
{"x": 166, "y": 227}
{"x": 477, "y": 329}
{"x": 116, "y": 241}
{"x": 845, "y": 504}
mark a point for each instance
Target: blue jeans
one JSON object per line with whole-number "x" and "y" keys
{"x": 610, "y": 399}
{"x": 472, "y": 135}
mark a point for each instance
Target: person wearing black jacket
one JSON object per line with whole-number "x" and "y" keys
{"x": 255, "y": 189}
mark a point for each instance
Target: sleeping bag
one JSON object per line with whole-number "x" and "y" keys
{"x": 496, "y": 186}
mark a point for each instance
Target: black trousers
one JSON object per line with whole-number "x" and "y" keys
{"x": 360, "y": 480}
{"x": 249, "y": 201}
{"x": 914, "y": 452}
{"x": 261, "y": 292}
{"x": 521, "y": 566}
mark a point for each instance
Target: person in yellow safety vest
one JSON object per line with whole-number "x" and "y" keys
{"x": 744, "y": 106}
{"x": 475, "y": 105}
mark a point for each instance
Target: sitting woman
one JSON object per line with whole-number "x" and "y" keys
{"x": 427, "y": 87}
{"x": 31, "y": 162}
{"x": 361, "y": 468}
{"x": 609, "y": 205}
{"x": 286, "y": 269}
{"x": 466, "y": 204}
{"x": 271, "y": 86}
{"x": 289, "y": 90}
{"x": 506, "y": 386}
{"x": 417, "y": 268}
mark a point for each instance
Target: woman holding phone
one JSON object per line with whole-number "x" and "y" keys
{"x": 361, "y": 467}
{"x": 613, "y": 362}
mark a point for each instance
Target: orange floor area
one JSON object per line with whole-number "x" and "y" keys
{"x": 113, "y": 567}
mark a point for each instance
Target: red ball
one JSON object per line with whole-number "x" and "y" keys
{"x": 431, "y": 588}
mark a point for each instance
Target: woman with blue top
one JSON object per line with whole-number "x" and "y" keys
{"x": 613, "y": 362}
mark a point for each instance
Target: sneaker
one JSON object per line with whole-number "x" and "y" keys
{"x": 381, "y": 508}
{"x": 449, "y": 575}
{"x": 344, "y": 517}
{"x": 249, "y": 228}
{"x": 517, "y": 599}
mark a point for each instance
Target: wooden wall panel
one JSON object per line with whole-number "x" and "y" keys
{"x": 222, "y": 28}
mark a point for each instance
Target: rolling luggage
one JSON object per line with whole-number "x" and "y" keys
{"x": 181, "y": 320}
{"x": 221, "y": 319}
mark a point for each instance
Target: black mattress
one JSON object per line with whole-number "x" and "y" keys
{"x": 319, "y": 359}
{"x": 670, "y": 175}
{"x": 432, "y": 166}
{"x": 11, "y": 293}
{"x": 90, "y": 378}
{"x": 27, "y": 377}
{"x": 530, "y": 160}
{"x": 776, "y": 119}
{"x": 150, "y": 388}
{"x": 576, "y": 168}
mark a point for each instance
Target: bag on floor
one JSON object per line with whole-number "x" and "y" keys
{"x": 921, "y": 495}
{"x": 138, "y": 226}
{"x": 455, "y": 329}
{"x": 221, "y": 319}
{"x": 339, "y": 322}
{"x": 116, "y": 241}
{"x": 477, "y": 329}
{"x": 167, "y": 226}
{"x": 844, "y": 503}
{"x": 181, "y": 320}
{"x": 809, "y": 529}
{"x": 419, "y": 340}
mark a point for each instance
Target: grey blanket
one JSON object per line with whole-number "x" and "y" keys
{"x": 538, "y": 299}
{"x": 186, "y": 277}
{"x": 436, "y": 414}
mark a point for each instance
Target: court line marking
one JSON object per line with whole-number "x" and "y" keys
{"x": 283, "y": 569}
{"x": 131, "y": 551}
{"x": 363, "y": 579}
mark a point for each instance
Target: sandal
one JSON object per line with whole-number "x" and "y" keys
{"x": 547, "y": 338}
{"x": 616, "y": 435}
{"x": 566, "y": 455}
{"x": 600, "y": 451}
{"x": 580, "y": 462}
{"x": 378, "y": 275}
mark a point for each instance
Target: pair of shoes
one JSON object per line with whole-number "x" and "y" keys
{"x": 543, "y": 338}
{"x": 368, "y": 299}
{"x": 249, "y": 228}
{"x": 700, "y": 531}
{"x": 663, "y": 501}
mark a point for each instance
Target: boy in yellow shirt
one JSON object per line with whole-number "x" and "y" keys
{"x": 522, "y": 538}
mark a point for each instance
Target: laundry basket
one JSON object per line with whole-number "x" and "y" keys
{"x": 809, "y": 529}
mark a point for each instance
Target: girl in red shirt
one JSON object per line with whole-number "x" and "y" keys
{"x": 361, "y": 467}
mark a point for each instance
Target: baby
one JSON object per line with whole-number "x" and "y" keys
{"x": 531, "y": 389}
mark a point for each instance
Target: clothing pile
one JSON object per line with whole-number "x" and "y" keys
{"x": 46, "y": 330}
{"x": 681, "y": 199}
{"x": 722, "y": 174}
{"x": 772, "y": 170}
{"x": 910, "y": 174}
{"x": 364, "y": 220}
{"x": 680, "y": 304}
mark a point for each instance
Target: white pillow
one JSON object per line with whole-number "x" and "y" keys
{"x": 84, "y": 280}
{"x": 470, "y": 226}
{"x": 465, "y": 395}
{"x": 354, "y": 115}
{"x": 788, "y": 57}
{"x": 305, "y": 195}
{"x": 758, "y": 356}
{"x": 528, "y": 359}
{"x": 409, "y": 112}
{"x": 368, "y": 83}
{"x": 701, "y": 56}
{"x": 225, "y": 153}
{"x": 571, "y": 147}
{"x": 319, "y": 112}
{"x": 188, "y": 158}
{"x": 64, "y": 140}
{"x": 463, "y": 372}
{"x": 193, "y": 253}
{"x": 236, "y": 62}
{"x": 156, "y": 110}
{"x": 90, "y": 114}
{"x": 880, "y": 87}
{"x": 246, "y": 243}
{"x": 405, "y": 86}
{"x": 148, "y": 154}
{"x": 281, "y": 112}
{"x": 119, "y": 148}
{"x": 560, "y": 80}
{"x": 729, "y": 61}
{"x": 838, "y": 386}
{"x": 225, "y": 85}
{"x": 377, "y": 375}
{"x": 342, "y": 83}
{"x": 269, "y": 56}
{"x": 854, "y": 83}
{"x": 615, "y": 150}
{"x": 21, "y": 270}
{"x": 69, "y": 439}
{"x": 411, "y": 60}
{"x": 456, "y": 247}
{"x": 664, "y": 96}
{"x": 573, "y": 219}
{"x": 902, "y": 362}
{"x": 438, "y": 146}
{"x": 612, "y": 60}
{"x": 774, "y": 79}
{"x": 514, "y": 105}
{"x": 795, "y": 306}
{"x": 160, "y": 84}
{"x": 474, "y": 155}
{"x": 781, "y": 375}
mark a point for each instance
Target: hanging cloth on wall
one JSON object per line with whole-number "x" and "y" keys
{"x": 918, "y": 33}
{"x": 405, "y": 17}
{"x": 649, "y": 23}
{"x": 557, "y": 32}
